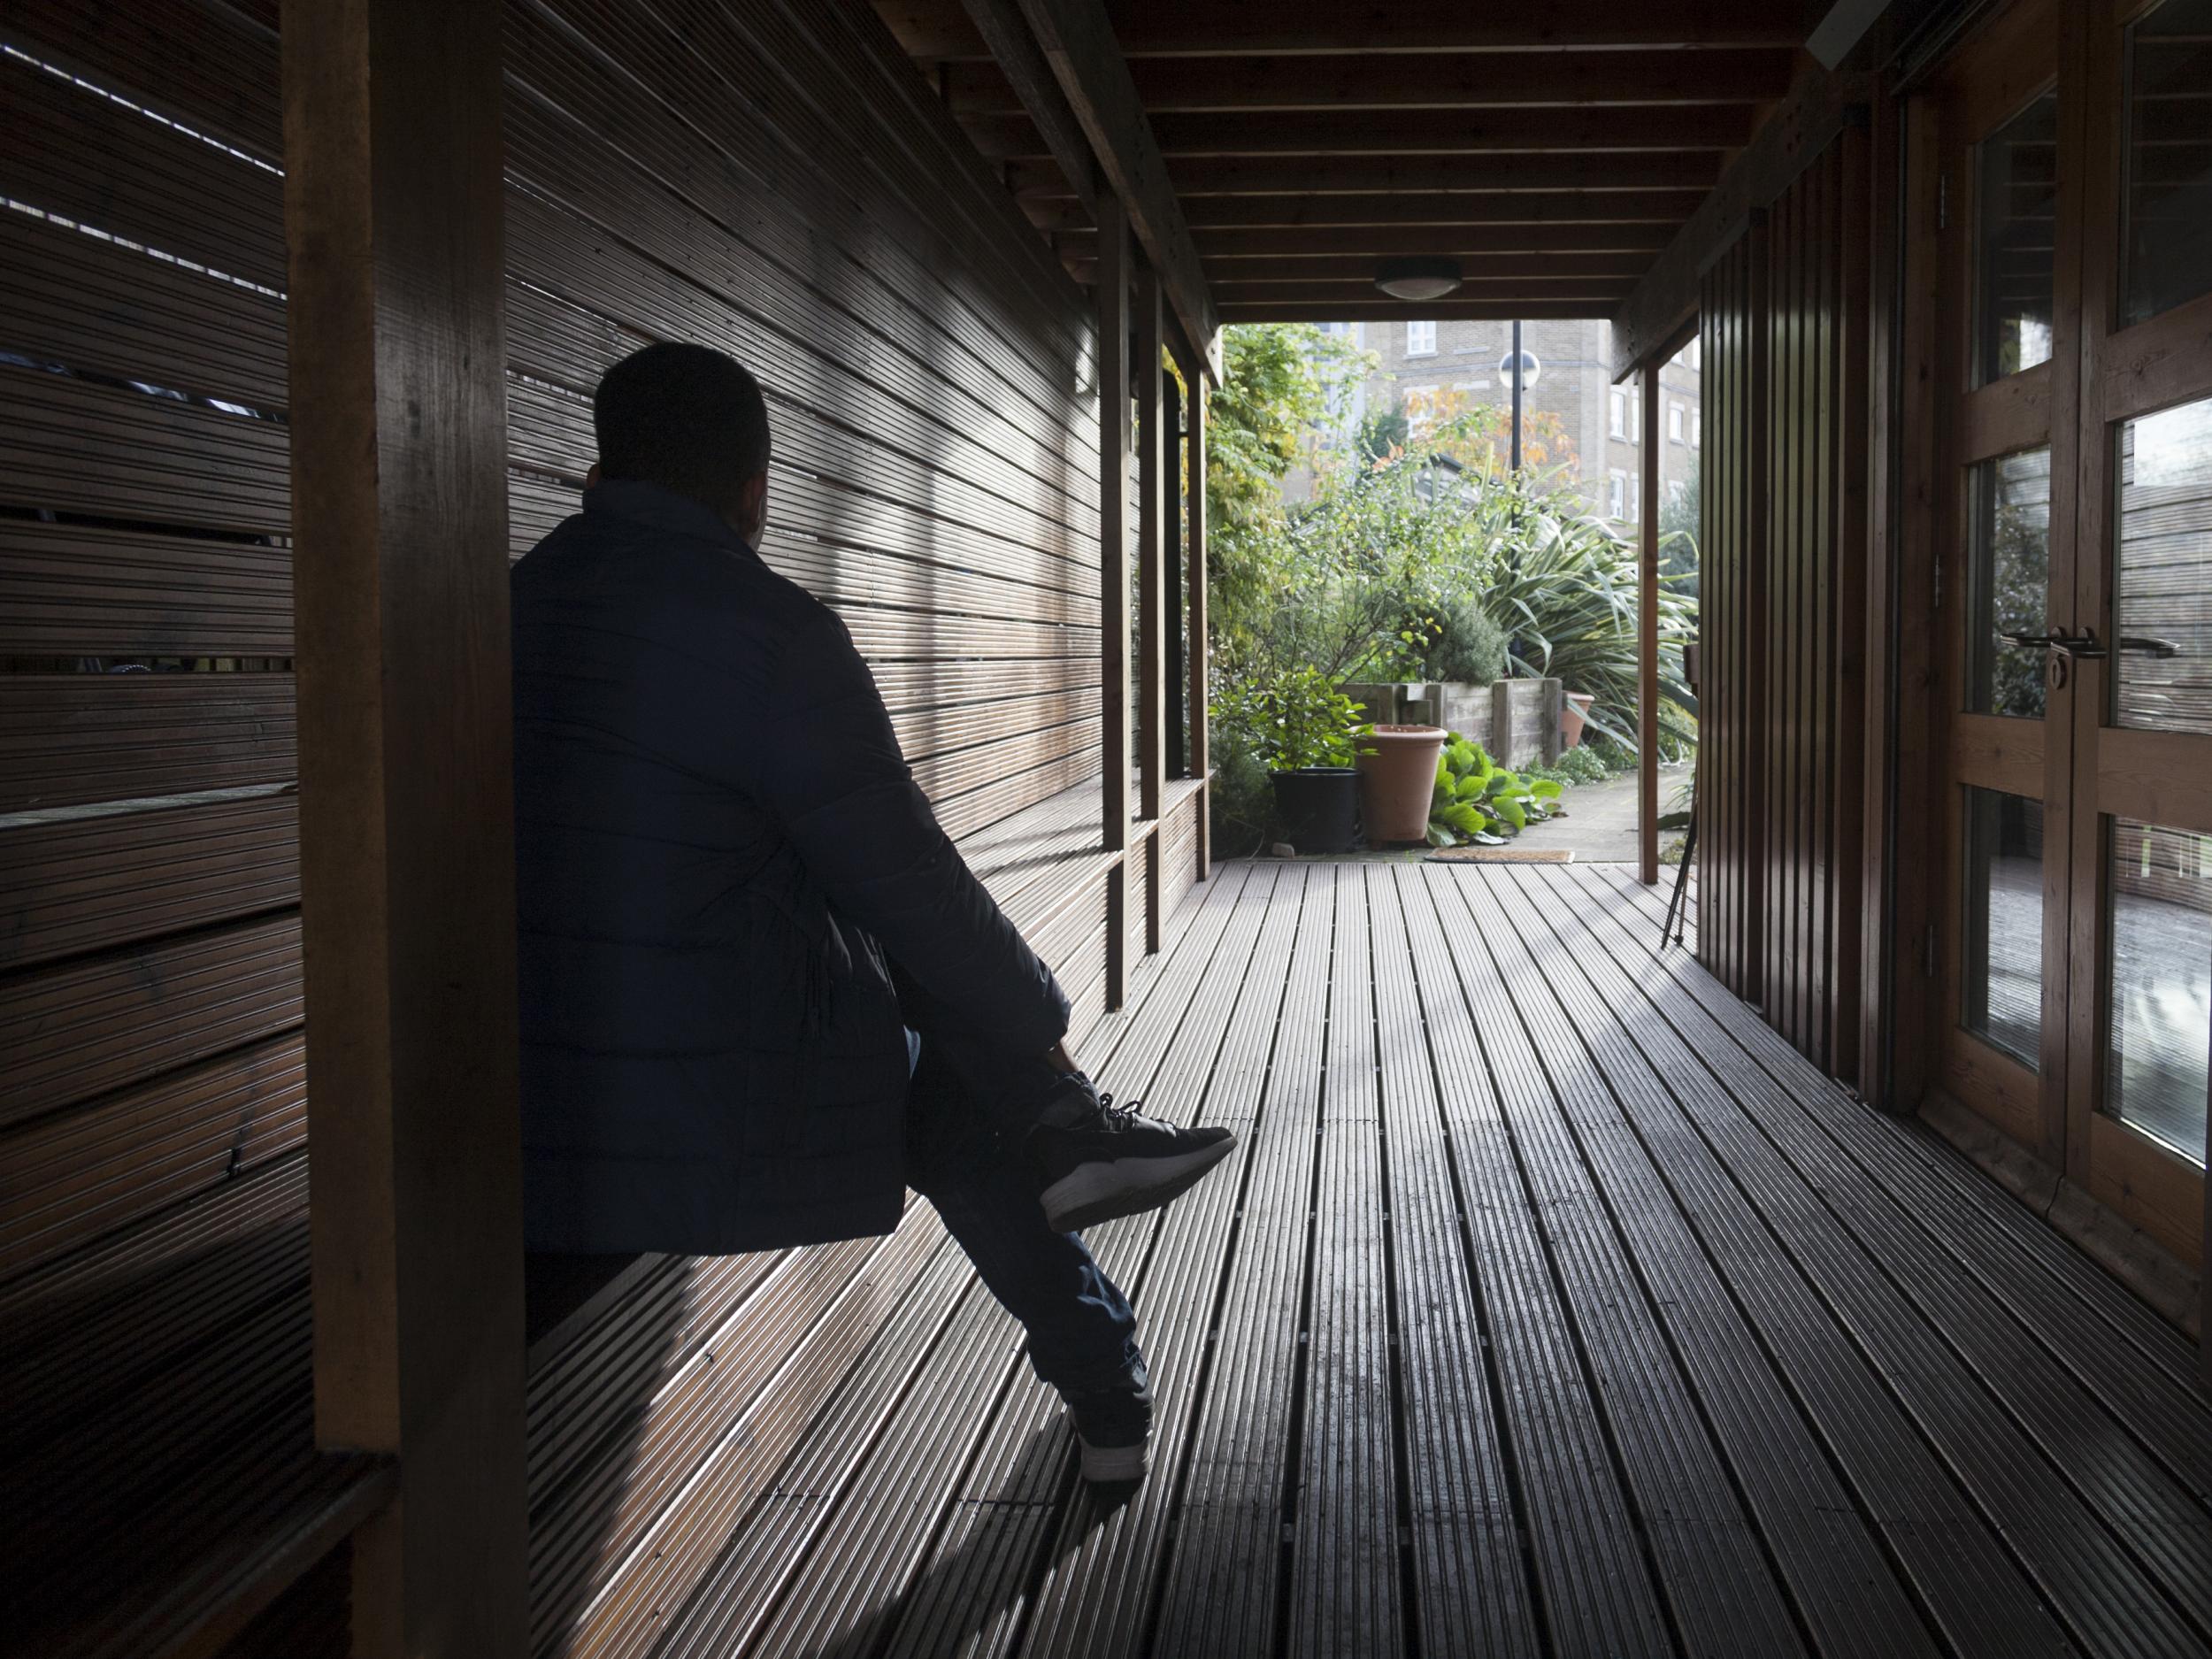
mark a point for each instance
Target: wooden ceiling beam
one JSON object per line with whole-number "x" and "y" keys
{"x": 1381, "y": 310}
{"x": 1629, "y": 129}
{"x": 1443, "y": 181}
{"x": 1077, "y": 41}
{"x": 1277, "y": 242}
{"x": 1019, "y": 63}
{"x": 1438, "y": 80}
{"x": 1625, "y": 267}
{"x": 1800, "y": 128}
{"x": 1207, "y": 215}
{"x": 937, "y": 30}
{"x": 1601, "y": 293}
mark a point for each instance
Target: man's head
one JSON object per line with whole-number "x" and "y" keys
{"x": 691, "y": 420}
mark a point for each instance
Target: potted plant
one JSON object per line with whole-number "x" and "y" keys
{"x": 1574, "y": 712}
{"x": 1397, "y": 772}
{"x": 1307, "y": 733}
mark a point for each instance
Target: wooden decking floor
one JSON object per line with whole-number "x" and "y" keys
{"x": 1551, "y": 1304}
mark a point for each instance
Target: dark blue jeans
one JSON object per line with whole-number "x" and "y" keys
{"x": 966, "y": 1107}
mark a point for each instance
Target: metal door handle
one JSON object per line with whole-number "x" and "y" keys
{"x": 2083, "y": 646}
{"x": 2148, "y": 648}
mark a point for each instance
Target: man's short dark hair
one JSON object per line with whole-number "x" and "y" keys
{"x": 686, "y": 418}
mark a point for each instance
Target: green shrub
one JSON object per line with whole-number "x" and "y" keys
{"x": 1573, "y": 766}
{"x": 1466, "y": 644}
{"x": 1285, "y": 721}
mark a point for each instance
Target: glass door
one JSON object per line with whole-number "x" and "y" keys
{"x": 2140, "y": 959}
{"x": 2005, "y": 147}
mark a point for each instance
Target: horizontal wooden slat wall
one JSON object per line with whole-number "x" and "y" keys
{"x": 771, "y": 178}
{"x": 1783, "y": 621}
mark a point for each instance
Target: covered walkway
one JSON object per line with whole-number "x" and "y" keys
{"x": 1555, "y": 1304}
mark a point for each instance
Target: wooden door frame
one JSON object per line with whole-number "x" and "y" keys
{"x": 2122, "y": 373}
{"x": 2011, "y": 60}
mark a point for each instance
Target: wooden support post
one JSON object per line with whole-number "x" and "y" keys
{"x": 1172, "y": 569}
{"x": 1151, "y": 538}
{"x": 1152, "y": 458}
{"x": 394, "y": 209}
{"x": 1113, "y": 588}
{"x": 1648, "y": 640}
{"x": 1196, "y": 648}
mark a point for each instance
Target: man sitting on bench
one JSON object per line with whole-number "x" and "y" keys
{"x": 761, "y": 991}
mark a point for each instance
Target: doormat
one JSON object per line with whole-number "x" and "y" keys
{"x": 1503, "y": 856}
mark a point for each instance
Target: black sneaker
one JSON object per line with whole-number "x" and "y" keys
{"x": 1097, "y": 1160}
{"x": 1114, "y": 1429}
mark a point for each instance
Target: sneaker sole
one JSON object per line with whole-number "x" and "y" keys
{"x": 1115, "y": 1465}
{"x": 1127, "y": 1187}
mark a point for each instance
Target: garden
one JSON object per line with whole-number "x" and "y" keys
{"x": 1363, "y": 634}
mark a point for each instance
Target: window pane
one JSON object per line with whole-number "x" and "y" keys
{"x": 2161, "y": 575}
{"x": 2008, "y": 558}
{"x": 2166, "y": 246}
{"x": 2017, "y": 187}
{"x": 2158, "y": 983}
{"x": 2003, "y": 959}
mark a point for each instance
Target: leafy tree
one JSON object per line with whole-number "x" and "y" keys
{"x": 1274, "y": 399}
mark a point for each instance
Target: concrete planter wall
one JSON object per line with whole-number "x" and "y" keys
{"x": 1516, "y": 720}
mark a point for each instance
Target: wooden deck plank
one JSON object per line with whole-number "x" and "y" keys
{"x": 841, "y": 1578}
{"x": 1709, "y": 1558}
{"x": 1844, "y": 1589}
{"x": 1220, "y": 1593}
{"x": 1959, "y": 1571}
{"x": 2115, "y": 1476}
{"x": 1596, "y": 1594}
{"x": 977, "y": 1595}
{"x": 1692, "y": 1353}
{"x": 2022, "y": 1264}
{"x": 2093, "y": 1579}
{"x": 1343, "y": 1507}
{"x": 1472, "y": 1593}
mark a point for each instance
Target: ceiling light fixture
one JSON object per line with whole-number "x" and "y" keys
{"x": 1417, "y": 279}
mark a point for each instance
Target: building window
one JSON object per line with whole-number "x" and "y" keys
{"x": 1617, "y": 413}
{"x": 1635, "y": 497}
{"x": 1675, "y": 413}
{"x": 1420, "y": 340}
{"x": 1634, "y": 396}
{"x": 1616, "y": 487}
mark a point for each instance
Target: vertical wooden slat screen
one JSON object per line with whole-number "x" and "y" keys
{"x": 1783, "y": 623}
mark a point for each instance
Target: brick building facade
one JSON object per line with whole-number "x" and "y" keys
{"x": 1420, "y": 364}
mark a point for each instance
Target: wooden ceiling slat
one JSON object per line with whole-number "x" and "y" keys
{"x": 1436, "y": 81}
{"x": 1608, "y": 128}
{"x": 1422, "y": 179}
{"x": 936, "y": 30}
{"x": 1601, "y": 292}
{"x": 1227, "y": 276}
{"x": 1297, "y": 242}
{"x": 1335, "y": 311}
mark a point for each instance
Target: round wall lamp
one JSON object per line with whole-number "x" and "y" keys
{"x": 1417, "y": 279}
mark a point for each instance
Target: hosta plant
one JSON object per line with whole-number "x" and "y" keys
{"x": 1479, "y": 801}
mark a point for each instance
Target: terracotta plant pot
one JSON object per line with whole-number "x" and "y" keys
{"x": 1397, "y": 780}
{"x": 1573, "y": 709}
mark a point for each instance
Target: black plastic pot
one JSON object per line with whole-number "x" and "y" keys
{"x": 1318, "y": 807}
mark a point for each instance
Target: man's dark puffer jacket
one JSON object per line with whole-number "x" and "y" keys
{"x": 718, "y": 843}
